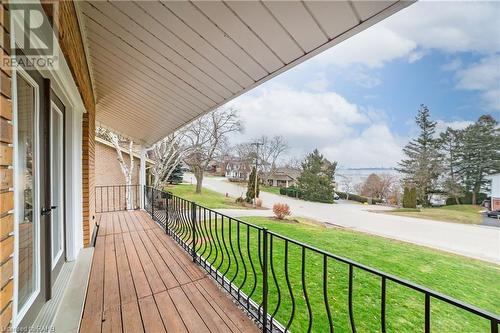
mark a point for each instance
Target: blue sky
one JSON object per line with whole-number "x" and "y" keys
{"x": 356, "y": 101}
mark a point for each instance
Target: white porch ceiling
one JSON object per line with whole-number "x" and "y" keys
{"x": 156, "y": 65}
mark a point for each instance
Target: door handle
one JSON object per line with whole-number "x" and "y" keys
{"x": 53, "y": 207}
{"x": 46, "y": 211}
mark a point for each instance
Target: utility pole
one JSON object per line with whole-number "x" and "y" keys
{"x": 256, "y": 144}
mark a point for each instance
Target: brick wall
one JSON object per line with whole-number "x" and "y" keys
{"x": 107, "y": 167}
{"x": 108, "y": 172}
{"x": 71, "y": 42}
{"x": 6, "y": 176}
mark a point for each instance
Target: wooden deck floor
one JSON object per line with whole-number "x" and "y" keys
{"x": 141, "y": 281}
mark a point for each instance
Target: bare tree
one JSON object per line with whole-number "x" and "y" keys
{"x": 127, "y": 170}
{"x": 271, "y": 150}
{"x": 206, "y": 136}
{"x": 167, "y": 154}
{"x": 378, "y": 186}
{"x": 347, "y": 184}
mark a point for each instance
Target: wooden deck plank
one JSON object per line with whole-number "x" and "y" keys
{"x": 146, "y": 218}
{"x": 181, "y": 276}
{"x": 111, "y": 287}
{"x": 117, "y": 229}
{"x": 127, "y": 288}
{"x": 140, "y": 281}
{"x": 150, "y": 315}
{"x": 188, "y": 313}
{"x": 140, "y": 220}
{"x": 92, "y": 313}
{"x": 103, "y": 225}
{"x": 123, "y": 222}
{"x": 112, "y": 320}
{"x": 154, "y": 279}
{"x": 166, "y": 275}
{"x": 132, "y": 320}
{"x": 182, "y": 257}
{"x": 171, "y": 318}
{"x": 211, "y": 318}
{"x": 130, "y": 223}
{"x": 208, "y": 288}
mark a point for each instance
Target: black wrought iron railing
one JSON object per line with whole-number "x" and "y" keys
{"x": 114, "y": 198}
{"x": 286, "y": 285}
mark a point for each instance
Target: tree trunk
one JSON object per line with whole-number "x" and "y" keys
{"x": 198, "y": 174}
{"x": 457, "y": 200}
{"x": 128, "y": 197}
{"x": 474, "y": 197}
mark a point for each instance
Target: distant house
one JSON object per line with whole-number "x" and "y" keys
{"x": 495, "y": 191}
{"x": 238, "y": 170}
{"x": 282, "y": 177}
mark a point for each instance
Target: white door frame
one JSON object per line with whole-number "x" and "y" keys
{"x": 55, "y": 259}
{"x": 63, "y": 84}
{"x": 18, "y": 194}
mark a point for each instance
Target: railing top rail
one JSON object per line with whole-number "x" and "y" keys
{"x": 434, "y": 294}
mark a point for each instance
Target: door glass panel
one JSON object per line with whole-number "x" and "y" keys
{"x": 56, "y": 150}
{"x": 27, "y": 217}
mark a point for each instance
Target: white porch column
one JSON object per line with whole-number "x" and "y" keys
{"x": 142, "y": 175}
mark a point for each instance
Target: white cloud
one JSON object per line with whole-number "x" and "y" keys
{"x": 343, "y": 131}
{"x": 442, "y": 125}
{"x": 450, "y": 27}
{"x": 375, "y": 146}
{"x": 320, "y": 84}
{"x": 483, "y": 76}
{"x": 373, "y": 47}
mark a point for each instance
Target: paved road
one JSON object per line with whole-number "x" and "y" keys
{"x": 481, "y": 242}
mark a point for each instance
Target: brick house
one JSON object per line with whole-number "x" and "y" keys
{"x": 495, "y": 191}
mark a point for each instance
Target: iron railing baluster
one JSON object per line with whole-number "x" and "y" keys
{"x": 351, "y": 314}
{"x": 382, "y": 305}
{"x": 427, "y": 313}
{"x": 265, "y": 254}
{"x": 325, "y": 292}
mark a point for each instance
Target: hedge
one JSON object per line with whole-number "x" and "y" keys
{"x": 467, "y": 199}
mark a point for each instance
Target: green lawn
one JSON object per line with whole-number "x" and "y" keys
{"x": 206, "y": 198}
{"x": 468, "y": 214}
{"x": 469, "y": 280}
{"x": 270, "y": 189}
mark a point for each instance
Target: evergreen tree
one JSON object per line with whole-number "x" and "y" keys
{"x": 316, "y": 180}
{"x": 422, "y": 166}
{"x": 251, "y": 186}
{"x": 176, "y": 175}
{"x": 479, "y": 154}
{"x": 450, "y": 147}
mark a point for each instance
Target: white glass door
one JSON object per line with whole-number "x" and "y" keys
{"x": 57, "y": 183}
{"x": 27, "y": 193}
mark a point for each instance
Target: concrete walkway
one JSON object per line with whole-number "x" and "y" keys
{"x": 476, "y": 241}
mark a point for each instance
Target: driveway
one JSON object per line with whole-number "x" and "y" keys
{"x": 476, "y": 241}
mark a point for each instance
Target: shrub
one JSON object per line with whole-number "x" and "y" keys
{"x": 410, "y": 197}
{"x": 240, "y": 200}
{"x": 281, "y": 210}
{"x": 283, "y": 190}
{"x": 258, "y": 202}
